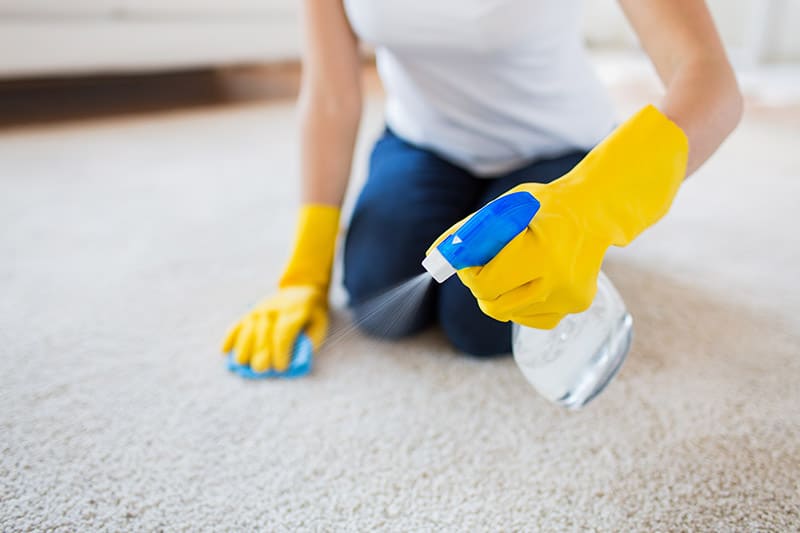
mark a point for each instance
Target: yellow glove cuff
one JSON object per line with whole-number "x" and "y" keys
{"x": 632, "y": 176}
{"x": 315, "y": 242}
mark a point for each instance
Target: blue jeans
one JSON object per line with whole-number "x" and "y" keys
{"x": 411, "y": 196}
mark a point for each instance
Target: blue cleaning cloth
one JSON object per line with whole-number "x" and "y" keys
{"x": 300, "y": 365}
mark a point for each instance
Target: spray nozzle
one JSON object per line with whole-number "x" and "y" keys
{"x": 483, "y": 235}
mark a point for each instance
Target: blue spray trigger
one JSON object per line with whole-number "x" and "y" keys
{"x": 300, "y": 364}
{"x": 489, "y": 230}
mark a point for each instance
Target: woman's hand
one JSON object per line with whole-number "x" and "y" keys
{"x": 329, "y": 113}
{"x": 545, "y": 272}
{"x": 264, "y": 337}
{"x": 702, "y": 95}
{"x": 622, "y": 187}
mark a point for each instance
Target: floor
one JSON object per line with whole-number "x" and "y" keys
{"x": 135, "y": 227}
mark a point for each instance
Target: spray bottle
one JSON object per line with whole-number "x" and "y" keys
{"x": 570, "y": 364}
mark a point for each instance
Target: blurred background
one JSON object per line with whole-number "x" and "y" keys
{"x": 48, "y": 47}
{"x": 148, "y": 187}
{"x": 48, "y": 37}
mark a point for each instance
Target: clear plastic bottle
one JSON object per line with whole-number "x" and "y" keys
{"x": 570, "y": 364}
{"x": 573, "y": 362}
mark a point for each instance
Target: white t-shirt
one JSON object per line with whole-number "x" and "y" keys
{"x": 490, "y": 85}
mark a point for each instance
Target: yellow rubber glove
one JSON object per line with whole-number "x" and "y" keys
{"x": 265, "y": 336}
{"x": 619, "y": 189}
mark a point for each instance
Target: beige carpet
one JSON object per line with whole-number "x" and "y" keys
{"x": 128, "y": 245}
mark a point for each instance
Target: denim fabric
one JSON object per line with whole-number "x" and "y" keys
{"x": 411, "y": 196}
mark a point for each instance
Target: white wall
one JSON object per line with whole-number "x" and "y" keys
{"x": 753, "y": 30}
{"x": 68, "y": 37}
{"x": 74, "y": 37}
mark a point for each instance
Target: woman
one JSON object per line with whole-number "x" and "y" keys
{"x": 484, "y": 97}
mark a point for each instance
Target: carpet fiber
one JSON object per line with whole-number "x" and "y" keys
{"x": 129, "y": 245}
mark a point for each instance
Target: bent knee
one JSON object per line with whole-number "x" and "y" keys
{"x": 378, "y": 318}
{"x": 381, "y": 249}
{"x": 478, "y": 342}
{"x": 467, "y": 328}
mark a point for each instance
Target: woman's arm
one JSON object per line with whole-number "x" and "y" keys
{"x": 702, "y": 95}
{"x": 330, "y": 102}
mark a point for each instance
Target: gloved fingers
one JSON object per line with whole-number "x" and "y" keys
{"x": 244, "y": 342}
{"x": 230, "y": 337}
{"x": 260, "y": 333}
{"x": 288, "y": 325}
{"x": 516, "y": 301}
{"x": 579, "y": 297}
{"x": 562, "y": 301}
{"x": 574, "y": 297}
{"x": 262, "y": 355}
{"x": 452, "y": 229}
{"x": 541, "y": 321}
{"x": 518, "y": 263}
{"x": 317, "y": 327}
